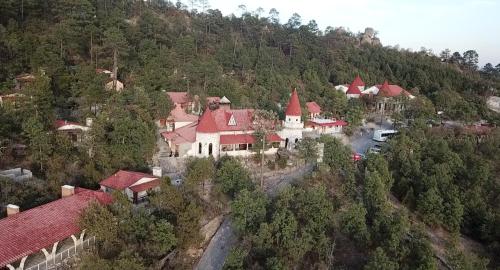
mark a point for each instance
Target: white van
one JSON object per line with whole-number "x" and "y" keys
{"x": 381, "y": 135}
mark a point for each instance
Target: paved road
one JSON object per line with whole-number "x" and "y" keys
{"x": 221, "y": 243}
{"x": 225, "y": 238}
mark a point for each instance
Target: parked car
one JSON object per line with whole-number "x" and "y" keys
{"x": 358, "y": 156}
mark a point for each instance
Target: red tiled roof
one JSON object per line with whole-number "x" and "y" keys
{"x": 207, "y": 123}
{"x": 293, "y": 107}
{"x": 353, "y": 89}
{"x": 124, "y": 179}
{"x": 178, "y": 114}
{"x": 313, "y": 107}
{"x": 391, "y": 90}
{"x": 145, "y": 186}
{"x": 182, "y": 135}
{"x": 27, "y": 232}
{"x": 273, "y": 138}
{"x": 62, "y": 123}
{"x": 178, "y": 97}
{"x": 242, "y": 117}
{"x": 247, "y": 138}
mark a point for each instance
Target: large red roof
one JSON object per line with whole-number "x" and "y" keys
{"x": 293, "y": 107}
{"x": 242, "y": 119}
{"x": 313, "y": 107}
{"x": 28, "y": 232}
{"x": 124, "y": 179}
{"x": 207, "y": 123}
{"x": 391, "y": 90}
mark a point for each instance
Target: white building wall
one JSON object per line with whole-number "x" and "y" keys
{"x": 293, "y": 127}
{"x": 352, "y": 96}
{"x": 206, "y": 139}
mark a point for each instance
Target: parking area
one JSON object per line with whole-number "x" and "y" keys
{"x": 361, "y": 140}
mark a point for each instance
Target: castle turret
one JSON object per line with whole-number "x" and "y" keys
{"x": 292, "y": 125}
{"x": 293, "y": 113}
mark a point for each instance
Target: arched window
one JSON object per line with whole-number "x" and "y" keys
{"x": 210, "y": 149}
{"x": 286, "y": 143}
{"x": 296, "y": 140}
{"x": 199, "y": 148}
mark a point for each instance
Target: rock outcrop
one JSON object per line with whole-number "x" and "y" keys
{"x": 369, "y": 37}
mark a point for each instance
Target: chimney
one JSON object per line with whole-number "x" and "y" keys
{"x": 12, "y": 209}
{"x": 88, "y": 121}
{"x": 67, "y": 191}
{"x": 157, "y": 172}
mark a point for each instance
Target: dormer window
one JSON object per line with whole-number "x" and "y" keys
{"x": 232, "y": 121}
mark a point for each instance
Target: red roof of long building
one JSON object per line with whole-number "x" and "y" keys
{"x": 28, "y": 232}
{"x": 124, "y": 179}
{"x": 293, "y": 107}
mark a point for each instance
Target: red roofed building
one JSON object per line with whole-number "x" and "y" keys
{"x": 219, "y": 131}
{"x": 133, "y": 184}
{"x": 313, "y": 108}
{"x": 390, "y": 98}
{"x": 51, "y": 228}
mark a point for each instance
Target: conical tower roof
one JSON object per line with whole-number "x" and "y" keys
{"x": 293, "y": 107}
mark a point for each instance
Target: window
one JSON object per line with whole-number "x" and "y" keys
{"x": 232, "y": 121}
{"x": 275, "y": 144}
{"x": 250, "y": 146}
{"x": 210, "y": 148}
{"x": 226, "y": 147}
{"x": 242, "y": 146}
{"x": 199, "y": 148}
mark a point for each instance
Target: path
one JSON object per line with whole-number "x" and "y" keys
{"x": 224, "y": 239}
